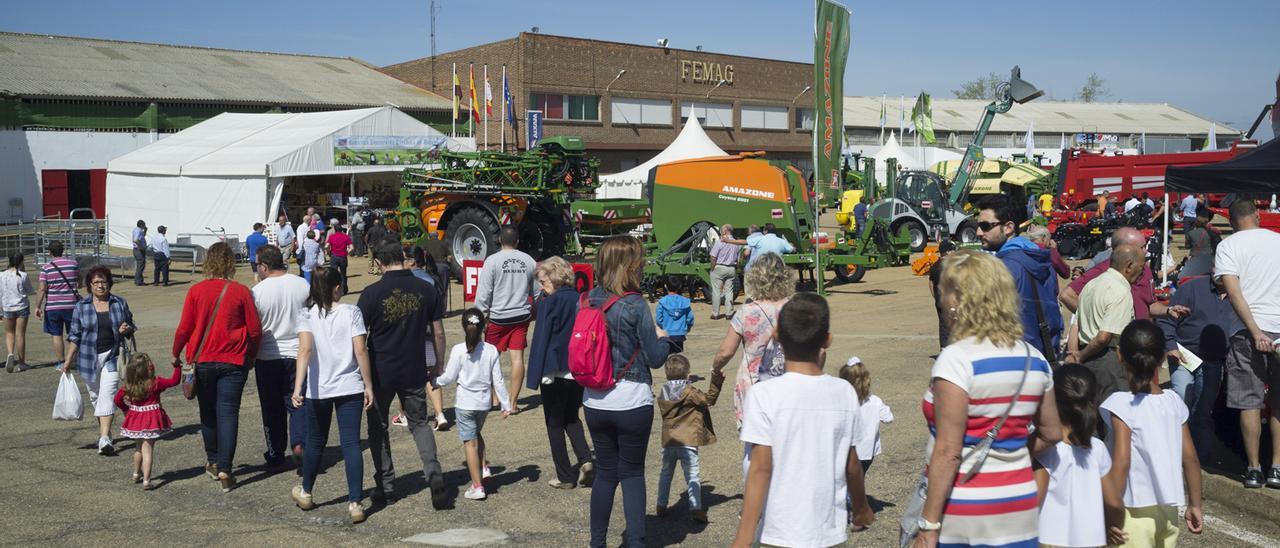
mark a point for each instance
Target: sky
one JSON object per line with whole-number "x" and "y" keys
{"x": 1219, "y": 60}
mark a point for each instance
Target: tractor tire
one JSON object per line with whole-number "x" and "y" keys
{"x": 850, "y": 274}
{"x": 540, "y": 236}
{"x": 967, "y": 233}
{"x": 919, "y": 236}
{"x": 472, "y": 234}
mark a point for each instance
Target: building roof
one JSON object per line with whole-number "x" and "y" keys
{"x": 962, "y": 115}
{"x": 67, "y": 67}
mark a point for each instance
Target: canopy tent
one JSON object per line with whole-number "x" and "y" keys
{"x": 229, "y": 171}
{"x": 891, "y": 149}
{"x": 692, "y": 142}
{"x": 1257, "y": 171}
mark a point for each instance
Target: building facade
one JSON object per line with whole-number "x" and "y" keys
{"x": 629, "y": 101}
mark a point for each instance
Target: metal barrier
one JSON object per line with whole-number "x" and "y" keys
{"x": 81, "y": 237}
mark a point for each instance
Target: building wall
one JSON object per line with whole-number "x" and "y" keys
{"x": 25, "y": 154}
{"x": 554, "y": 64}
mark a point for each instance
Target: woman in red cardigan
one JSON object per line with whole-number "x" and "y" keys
{"x": 222, "y": 360}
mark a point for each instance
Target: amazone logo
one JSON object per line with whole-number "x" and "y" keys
{"x": 747, "y": 192}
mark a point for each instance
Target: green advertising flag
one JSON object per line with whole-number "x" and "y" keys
{"x": 922, "y": 117}
{"x": 830, "y": 52}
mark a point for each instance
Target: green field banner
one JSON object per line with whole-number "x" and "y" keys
{"x": 830, "y": 52}
{"x": 381, "y": 150}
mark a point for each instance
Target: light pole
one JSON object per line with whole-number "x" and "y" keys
{"x": 615, "y": 79}
{"x": 707, "y": 98}
{"x": 802, "y": 92}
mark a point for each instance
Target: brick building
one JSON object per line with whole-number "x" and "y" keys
{"x": 627, "y": 117}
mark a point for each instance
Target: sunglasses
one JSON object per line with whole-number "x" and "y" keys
{"x": 987, "y": 226}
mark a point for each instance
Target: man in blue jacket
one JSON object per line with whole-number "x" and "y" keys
{"x": 1032, "y": 271}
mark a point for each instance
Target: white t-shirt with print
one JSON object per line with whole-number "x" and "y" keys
{"x": 809, "y": 422}
{"x": 279, "y": 300}
{"x": 332, "y": 370}
{"x": 871, "y": 414}
{"x": 1254, "y": 256}
{"x": 1155, "y": 460}
{"x": 1071, "y": 514}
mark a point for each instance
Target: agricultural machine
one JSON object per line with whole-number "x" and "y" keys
{"x": 917, "y": 205}
{"x": 465, "y": 198}
{"x": 691, "y": 199}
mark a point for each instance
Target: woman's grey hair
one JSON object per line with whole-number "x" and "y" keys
{"x": 769, "y": 279}
{"x": 1038, "y": 234}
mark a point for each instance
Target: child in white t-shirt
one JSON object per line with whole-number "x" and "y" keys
{"x": 1147, "y": 433}
{"x": 804, "y": 457}
{"x": 474, "y": 366}
{"x": 872, "y": 411}
{"x": 1069, "y": 475}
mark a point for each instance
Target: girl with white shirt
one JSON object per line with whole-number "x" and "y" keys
{"x": 333, "y": 361}
{"x": 475, "y": 367}
{"x": 872, "y": 412}
{"x": 1147, "y": 432}
{"x": 1069, "y": 476}
{"x": 15, "y": 306}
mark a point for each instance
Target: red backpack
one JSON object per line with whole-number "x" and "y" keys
{"x": 590, "y": 359}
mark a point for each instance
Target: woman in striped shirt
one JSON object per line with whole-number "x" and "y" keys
{"x": 972, "y": 499}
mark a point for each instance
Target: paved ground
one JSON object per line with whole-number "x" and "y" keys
{"x": 61, "y": 492}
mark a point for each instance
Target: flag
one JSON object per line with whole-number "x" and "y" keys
{"x": 488, "y": 94}
{"x": 1211, "y": 142}
{"x": 506, "y": 98}
{"x": 922, "y": 117}
{"x": 902, "y": 116}
{"x": 475, "y": 112}
{"x": 1062, "y": 141}
{"x": 457, "y": 93}
{"x": 830, "y": 53}
{"x": 1142, "y": 143}
{"x": 883, "y": 115}
{"x": 1031, "y": 141}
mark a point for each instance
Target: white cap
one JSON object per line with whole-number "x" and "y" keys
{"x": 853, "y": 360}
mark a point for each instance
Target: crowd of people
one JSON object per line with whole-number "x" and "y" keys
{"x": 1043, "y": 428}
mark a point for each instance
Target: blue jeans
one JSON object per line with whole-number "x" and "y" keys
{"x": 218, "y": 388}
{"x": 307, "y": 275}
{"x": 688, "y": 457}
{"x": 1199, "y": 390}
{"x": 319, "y": 413}
{"x": 621, "y": 439}
{"x": 281, "y": 422}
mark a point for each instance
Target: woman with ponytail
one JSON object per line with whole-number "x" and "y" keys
{"x": 474, "y": 366}
{"x": 1070, "y": 473}
{"x": 1147, "y": 431}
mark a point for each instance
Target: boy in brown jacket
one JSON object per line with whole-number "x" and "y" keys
{"x": 686, "y": 425}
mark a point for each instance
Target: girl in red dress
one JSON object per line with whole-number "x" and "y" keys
{"x": 144, "y": 418}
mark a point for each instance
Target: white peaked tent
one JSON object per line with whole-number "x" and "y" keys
{"x": 891, "y": 149}
{"x": 231, "y": 170}
{"x": 692, "y": 142}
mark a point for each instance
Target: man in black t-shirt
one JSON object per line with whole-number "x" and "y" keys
{"x": 373, "y": 239}
{"x": 400, "y": 311}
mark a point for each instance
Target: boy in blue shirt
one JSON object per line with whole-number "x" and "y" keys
{"x": 675, "y": 315}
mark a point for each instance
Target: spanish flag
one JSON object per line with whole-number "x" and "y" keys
{"x": 475, "y": 113}
{"x": 457, "y": 93}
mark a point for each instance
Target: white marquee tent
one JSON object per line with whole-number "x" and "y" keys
{"x": 692, "y": 142}
{"x": 891, "y": 149}
{"x": 230, "y": 171}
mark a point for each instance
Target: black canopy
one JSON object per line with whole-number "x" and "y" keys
{"x": 1256, "y": 171}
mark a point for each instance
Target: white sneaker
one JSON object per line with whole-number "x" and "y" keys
{"x": 441, "y": 423}
{"x": 105, "y": 448}
{"x": 475, "y": 492}
{"x": 11, "y": 363}
{"x": 485, "y": 473}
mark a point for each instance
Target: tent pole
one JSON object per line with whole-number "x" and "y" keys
{"x": 1164, "y": 247}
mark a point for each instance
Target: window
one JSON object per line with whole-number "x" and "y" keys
{"x": 804, "y": 118}
{"x": 626, "y": 110}
{"x": 709, "y": 114}
{"x": 762, "y": 117}
{"x": 556, "y": 106}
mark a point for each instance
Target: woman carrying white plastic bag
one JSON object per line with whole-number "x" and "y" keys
{"x": 67, "y": 405}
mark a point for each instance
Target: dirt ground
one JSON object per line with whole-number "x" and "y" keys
{"x": 61, "y": 492}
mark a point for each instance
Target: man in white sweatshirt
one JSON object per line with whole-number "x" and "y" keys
{"x": 505, "y": 296}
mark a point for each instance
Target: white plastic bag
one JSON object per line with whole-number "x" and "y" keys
{"x": 67, "y": 405}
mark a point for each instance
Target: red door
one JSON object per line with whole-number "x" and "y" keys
{"x": 98, "y": 192}
{"x": 54, "y": 183}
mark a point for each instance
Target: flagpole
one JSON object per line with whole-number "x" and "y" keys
{"x": 503, "y": 117}
{"x": 486, "y": 106}
{"x": 453, "y": 123}
{"x": 471, "y": 83}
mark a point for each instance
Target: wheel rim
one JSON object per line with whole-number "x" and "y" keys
{"x": 968, "y": 235}
{"x": 470, "y": 243}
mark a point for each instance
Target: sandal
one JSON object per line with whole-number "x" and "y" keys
{"x": 146, "y": 485}
{"x": 137, "y": 477}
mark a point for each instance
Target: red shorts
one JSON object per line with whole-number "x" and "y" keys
{"x": 507, "y": 337}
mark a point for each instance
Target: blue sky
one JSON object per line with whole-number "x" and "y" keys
{"x": 1217, "y": 59}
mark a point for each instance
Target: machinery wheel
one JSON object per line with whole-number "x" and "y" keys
{"x": 968, "y": 233}
{"x": 919, "y": 236}
{"x": 540, "y": 236}
{"x": 472, "y": 235}
{"x": 850, "y": 274}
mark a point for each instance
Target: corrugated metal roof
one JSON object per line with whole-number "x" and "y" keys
{"x": 59, "y": 66}
{"x": 962, "y": 115}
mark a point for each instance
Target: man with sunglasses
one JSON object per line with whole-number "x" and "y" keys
{"x": 1032, "y": 270}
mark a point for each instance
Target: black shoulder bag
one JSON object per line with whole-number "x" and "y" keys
{"x": 1046, "y": 342}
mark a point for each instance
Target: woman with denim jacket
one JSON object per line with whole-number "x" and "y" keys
{"x": 621, "y": 418}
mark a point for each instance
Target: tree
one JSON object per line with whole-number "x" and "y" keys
{"x": 1094, "y": 88}
{"x": 982, "y": 87}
